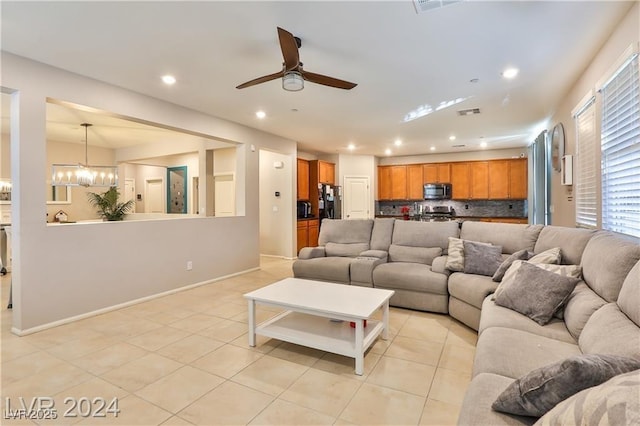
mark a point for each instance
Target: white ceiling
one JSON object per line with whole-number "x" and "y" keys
{"x": 400, "y": 60}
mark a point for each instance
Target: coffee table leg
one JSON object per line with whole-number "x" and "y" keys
{"x": 252, "y": 323}
{"x": 359, "y": 347}
{"x": 385, "y": 320}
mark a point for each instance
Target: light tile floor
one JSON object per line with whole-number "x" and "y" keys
{"x": 184, "y": 359}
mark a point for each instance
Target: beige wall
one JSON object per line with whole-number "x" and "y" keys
{"x": 58, "y": 271}
{"x": 625, "y": 33}
{"x": 5, "y": 154}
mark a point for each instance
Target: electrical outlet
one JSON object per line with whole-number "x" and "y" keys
{"x": 466, "y": 206}
{"x": 189, "y": 265}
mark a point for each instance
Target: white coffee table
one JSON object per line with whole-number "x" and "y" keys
{"x": 310, "y": 308}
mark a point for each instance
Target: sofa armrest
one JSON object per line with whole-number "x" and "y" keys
{"x": 438, "y": 265}
{"x": 311, "y": 252}
{"x": 361, "y": 268}
{"x": 378, "y": 254}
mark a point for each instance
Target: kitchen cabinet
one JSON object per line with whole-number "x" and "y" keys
{"x": 505, "y": 219}
{"x": 499, "y": 179}
{"x": 398, "y": 182}
{"x": 460, "y": 182}
{"x": 384, "y": 183}
{"x": 436, "y": 173}
{"x": 307, "y": 233}
{"x": 518, "y": 185}
{"x": 415, "y": 184}
{"x": 326, "y": 172}
{"x": 303, "y": 179}
{"x": 479, "y": 177}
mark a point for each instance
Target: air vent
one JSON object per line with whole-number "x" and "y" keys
{"x": 458, "y": 146}
{"x": 470, "y": 111}
{"x": 426, "y": 5}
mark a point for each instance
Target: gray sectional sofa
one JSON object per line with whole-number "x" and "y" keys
{"x": 600, "y": 316}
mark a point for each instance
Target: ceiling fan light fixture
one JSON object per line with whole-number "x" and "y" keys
{"x": 292, "y": 81}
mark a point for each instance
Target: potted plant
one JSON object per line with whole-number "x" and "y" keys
{"x": 108, "y": 206}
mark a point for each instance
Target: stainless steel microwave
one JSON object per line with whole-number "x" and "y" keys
{"x": 437, "y": 191}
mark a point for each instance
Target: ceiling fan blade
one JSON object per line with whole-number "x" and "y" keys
{"x": 327, "y": 81}
{"x": 289, "y": 48}
{"x": 259, "y": 80}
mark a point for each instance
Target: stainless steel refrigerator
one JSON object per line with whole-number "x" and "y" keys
{"x": 329, "y": 201}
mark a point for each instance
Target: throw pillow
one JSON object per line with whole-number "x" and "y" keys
{"x": 542, "y": 389}
{"x": 519, "y": 255}
{"x": 455, "y": 255}
{"x": 615, "y": 402}
{"x": 536, "y": 293}
{"x": 574, "y": 271}
{"x": 553, "y": 255}
{"x": 481, "y": 259}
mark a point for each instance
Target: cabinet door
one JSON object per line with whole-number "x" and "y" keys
{"x": 430, "y": 173}
{"x": 384, "y": 183}
{"x": 314, "y": 230}
{"x": 303, "y": 179}
{"x": 444, "y": 172}
{"x": 518, "y": 187}
{"x": 460, "y": 181}
{"x": 415, "y": 185}
{"x": 398, "y": 182}
{"x": 302, "y": 235}
{"x": 327, "y": 172}
{"x": 331, "y": 170}
{"x": 479, "y": 172}
{"x": 499, "y": 179}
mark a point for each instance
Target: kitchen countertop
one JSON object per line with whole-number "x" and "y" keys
{"x": 458, "y": 217}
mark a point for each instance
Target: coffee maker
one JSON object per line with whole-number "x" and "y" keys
{"x": 304, "y": 209}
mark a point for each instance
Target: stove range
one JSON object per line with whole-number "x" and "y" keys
{"x": 438, "y": 214}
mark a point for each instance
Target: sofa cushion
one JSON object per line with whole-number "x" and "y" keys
{"x": 481, "y": 259}
{"x": 572, "y": 242}
{"x": 513, "y": 353}
{"x": 471, "y": 288}
{"x": 424, "y": 255}
{"x": 541, "y": 389}
{"x": 610, "y": 331}
{"x": 606, "y": 261}
{"x": 498, "y": 316}
{"x": 476, "y": 406}
{"x": 614, "y": 402}
{"x": 424, "y": 234}
{"x": 506, "y": 264}
{"x": 382, "y": 233}
{"x": 345, "y": 231}
{"x": 510, "y": 236}
{"x": 629, "y": 299}
{"x": 536, "y": 293}
{"x": 410, "y": 276}
{"x": 332, "y": 269}
{"x": 345, "y": 249}
{"x": 579, "y": 307}
{"x": 549, "y": 256}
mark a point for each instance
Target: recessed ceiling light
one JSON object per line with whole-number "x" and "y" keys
{"x": 397, "y": 142}
{"x": 483, "y": 144}
{"x": 351, "y": 147}
{"x": 510, "y": 73}
{"x": 387, "y": 151}
{"x": 433, "y": 148}
{"x": 452, "y": 138}
{"x": 261, "y": 114}
{"x": 168, "y": 79}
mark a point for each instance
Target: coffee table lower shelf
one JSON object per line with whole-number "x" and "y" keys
{"x": 321, "y": 333}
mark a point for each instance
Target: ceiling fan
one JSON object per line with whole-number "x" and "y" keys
{"x": 292, "y": 74}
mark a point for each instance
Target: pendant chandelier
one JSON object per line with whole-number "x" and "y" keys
{"x": 84, "y": 174}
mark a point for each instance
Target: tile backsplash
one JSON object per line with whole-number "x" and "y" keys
{"x": 480, "y": 208}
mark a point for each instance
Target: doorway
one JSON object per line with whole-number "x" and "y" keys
{"x": 356, "y": 197}
{"x": 177, "y": 189}
{"x": 154, "y": 196}
{"x": 224, "y": 195}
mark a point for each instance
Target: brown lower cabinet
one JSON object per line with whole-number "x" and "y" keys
{"x": 505, "y": 219}
{"x": 308, "y": 230}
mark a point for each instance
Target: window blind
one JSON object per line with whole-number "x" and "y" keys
{"x": 620, "y": 138}
{"x": 586, "y": 170}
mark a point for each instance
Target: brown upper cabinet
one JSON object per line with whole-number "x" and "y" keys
{"x": 460, "y": 181}
{"x": 499, "y": 179}
{"x": 303, "y": 179}
{"x": 326, "y": 172}
{"x": 415, "y": 183}
{"x": 398, "y": 182}
{"x": 436, "y": 173}
{"x": 384, "y": 183}
{"x": 518, "y": 183}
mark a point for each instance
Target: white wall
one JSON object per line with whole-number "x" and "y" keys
{"x": 277, "y": 218}
{"x": 625, "y": 33}
{"x": 59, "y": 271}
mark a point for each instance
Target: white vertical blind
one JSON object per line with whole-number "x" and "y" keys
{"x": 586, "y": 168}
{"x": 620, "y": 140}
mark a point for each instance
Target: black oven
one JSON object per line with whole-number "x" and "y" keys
{"x": 437, "y": 191}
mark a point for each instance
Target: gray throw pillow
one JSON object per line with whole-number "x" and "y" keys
{"x": 481, "y": 259}
{"x": 519, "y": 255}
{"x": 540, "y": 390}
{"x": 535, "y": 292}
